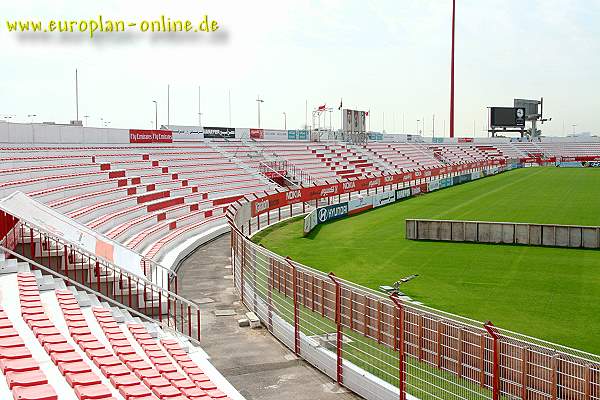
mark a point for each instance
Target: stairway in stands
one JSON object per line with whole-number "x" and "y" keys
{"x": 59, "y": 341}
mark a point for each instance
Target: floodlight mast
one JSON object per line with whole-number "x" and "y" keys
{"x": 452, "y": 72}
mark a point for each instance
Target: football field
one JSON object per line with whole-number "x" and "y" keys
{"x": 550, "y": 293}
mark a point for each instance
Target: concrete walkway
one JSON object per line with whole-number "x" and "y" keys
{"x": 253, "y": 361}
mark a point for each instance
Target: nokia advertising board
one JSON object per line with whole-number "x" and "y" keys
{"x": 507, "y": 117}
{"x": 215, "y": 132}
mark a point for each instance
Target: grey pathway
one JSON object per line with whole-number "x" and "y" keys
{"x": 258, "y": 365}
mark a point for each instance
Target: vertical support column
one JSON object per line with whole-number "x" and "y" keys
{"x": 459, "y": 356}
{"x": 482, "y": 360}
{"x": 270, "y": 296}
{"x": 554, "y": 379}
{"x": 296, "y": 307}
{"x": 198, "y": 318}
{"x": 489, "y": 327}
{"x": 588, "y": 382}
{"x": 338, "y": 323}
{"x": 243, "y": 263}
{"x": 399, "y": 341}
{"x": 66, "y": 258}
{"x": 524, "y": 372}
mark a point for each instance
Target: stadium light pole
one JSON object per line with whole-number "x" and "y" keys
{"x": 573, "y": 126}
{"x": 258, "y": 101}
{"x": 155, "y": 114}
{"x": 284, "y": 121}
{"x": 452, "y": 72}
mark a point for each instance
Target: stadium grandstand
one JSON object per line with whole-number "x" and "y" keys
{"x": 95, "y": 223}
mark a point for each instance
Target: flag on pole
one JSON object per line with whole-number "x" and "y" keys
{"x": 367, "y": 113}
{"x": 323, "y": 107}
{"x": 341, "y": 105}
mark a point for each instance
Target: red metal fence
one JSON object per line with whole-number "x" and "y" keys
{"x": 154, "y": 295}
{"x": 424, "y": 352}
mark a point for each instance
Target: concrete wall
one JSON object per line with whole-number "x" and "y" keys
{"x": 46, "y": 133}
{"x": 504, "y": 232}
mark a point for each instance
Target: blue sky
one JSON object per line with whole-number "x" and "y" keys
{"x": 390, "y": 57}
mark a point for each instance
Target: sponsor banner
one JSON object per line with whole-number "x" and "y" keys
{"x": 570, "y": 164}
{"x": 433, "y": 185}
{"x": 537, "y": 160}
{"x": 216, "y": 132}
{"x": 299, "y": 134}
{"x": 376, "y": 136}
{"x": 335, "y": 211}
{"x": 456, "y": 180}
{"x": 276, "y": 134}
{"x": 310, "y": 222}
{"x": 257, "y": 134}
{"x": 445, "y": 182}
{"x": 464, "y": 178}
{"x": 465, "y": 140}
{"x": 150, "y": 136}
{"x": 242, "y": 133}
{"x": 360, "y": 204}
{"x": 475, "y": 175}
{"x": 578, "y": 164}
{"x": 381, "y": 199}
{"x": 402, "y": 194}
{"x": 302, "y": 134}
{"x": 580, "y": 158}
{"x": 278, "y": 200}
{"x": 183, "y": 129}
{"x": 415, "y": 190}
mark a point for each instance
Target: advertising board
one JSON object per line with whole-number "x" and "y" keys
{"x": 433, "y": 185}
{"x": 300, "y": 134}
{"x": 415, "y": 190}
{"x": 464, "y": 178}
{"x": 310, "y": 222}
{"x": 402, "y": 194}
{"x": 359, "y": 205}
{"x": 335, "y": 211}
{"x": 150, "y": 136}
{"x": 381, "y": 199}
{"x": 445, "y": 182}
{"x": 281, "y": 199}
{"x": 217, "y": 132}
{"x": 257, "y": 133}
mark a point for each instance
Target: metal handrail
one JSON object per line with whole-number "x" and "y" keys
{"x": 145, "y": 259}
{"x": 72, "y": 282}
{"x": 143, "y": 280}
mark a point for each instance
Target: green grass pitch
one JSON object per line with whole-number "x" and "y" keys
{"x": 550, "y": 293}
